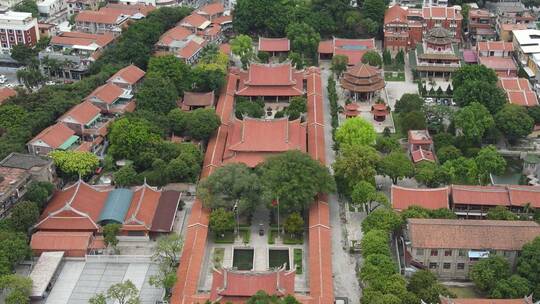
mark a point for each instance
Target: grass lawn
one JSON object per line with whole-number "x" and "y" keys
{"x": 298, "y": 260}
{"x": 219, "y": 254}
{"x": 293, "y": 239}
{"x": 278, "y": 257}
{"x": 227, "y": 238}
{"x": 465, "y": 292}
{"x": 243, "y": 259}
{"x": 272, "y": 236}
{"x": 397, "y": 124}
{"x": 399, "y": 77}
{"x": 246, "y": 234}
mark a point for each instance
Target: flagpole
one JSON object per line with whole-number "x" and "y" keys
{"x": 278, "y": 227}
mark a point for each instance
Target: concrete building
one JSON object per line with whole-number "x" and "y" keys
{"x": 111, "y": 18}
{"x": 449, "y": 248}
{"x": 53, "y": 11}
{"x": 17, "y": 28}
{"x": 481, "y": 25}
{"x": 76, "y": 6}
{"x": 527, "y": 46}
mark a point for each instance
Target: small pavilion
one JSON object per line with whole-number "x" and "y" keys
{"x": 380, "y": 111}
{"x": 362, "y": 81}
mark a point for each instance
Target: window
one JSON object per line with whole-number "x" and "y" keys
{"x": 446, "y": 266}
{"x": 433, "y": 266}
{"x": 419, "y": 251}
{"x": 434, "y": 252}
{"x": 460, "y": 266}
{"x": 448, "y": 253}
{"x": 461, "y": 253}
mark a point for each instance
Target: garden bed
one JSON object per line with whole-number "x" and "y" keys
{"x": 217, "y": 258}
{"x": 245, "y": 232}
{"x": 293, "y": 239}
{"x": 298, "y": 260}
{"x": 388, "y": 76}
{"x": 278, "y": 257}
{"x": 243, "y": 259}
{"x": 227, "y": 238}
{"x": 272, "y": 235}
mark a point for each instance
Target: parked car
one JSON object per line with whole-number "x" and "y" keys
{"x": 428, "y": 100}
{"x": 3, "y": 79}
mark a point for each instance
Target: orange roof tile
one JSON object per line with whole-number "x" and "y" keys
{"x": 212, "y": 9}
{"x": 525, "y": 300}
{"x": 143, "y": 206}
{"x": 326, "y": 47}
{"x": 177, "y": 33}
{"x": 222, "y": 20}
{"x": 521, "y": 195}
{"x": 193, "y": 20}
{"x": 201, "y": 99}
{"x": 82, "y": 113}
{"x": 395, "y": 14}
{"x": 419, "y": 137}
{"x": 271, "y": 80}
{"x": 107, "y": 93}
{"x": 80, "y": 38}
{"x": 55, "y": 135}
{"x": 440, "y": 12}
{"x": 97, "y": 17}
{"x": 225, "y": 48}
{"x": 190, "y": 49}
{"x": 402, "y": 198}
{"x": 422, "y": 155}
{"x": 518, "y": 91}
{"x": 485, "y": 46}
{"x": 6, "y": 93}
{"x": 480, "y": 195}
{"x": 131, "y": 9}
{"x": 471, "y": 234}
{"x": 130, "y": 74}
{"x": 274, "y": 44}
{"x": 60, "y": 241}
{"x": 513, "y": 26}
{"x": 270, "y": 75}
{"x": 498, "y": 63}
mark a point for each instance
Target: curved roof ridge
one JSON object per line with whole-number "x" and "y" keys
{"x": 422, "y": 189}
{"x": 139, "y": 203}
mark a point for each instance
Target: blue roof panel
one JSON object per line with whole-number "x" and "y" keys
{"x": 116, "y": 206}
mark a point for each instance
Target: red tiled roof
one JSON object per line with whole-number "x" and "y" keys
{"x": 190, "y": 49}
{"x": 524, "y": 300}
{"x": 130, "y": 9}
{"x": 513, "y": 26}
{"x": 55, "y": 135}
{"x": 6, "y": 93}
{"x": 480, "y": 195}
{"x": 222, "y": 20}
{"x": 499, "y": 63}
{"x": 211, "y": 9}
{"x": 518, "y": 91}
{"x": 271, "y": 80}
{"x": 60, "y": 241}
{"x": 270, "y": 75}
{"x": 193, "y": 20}
{"x": 479, "y": 13}
{"x": 402, "y": 198}
{"x": 142, "y": 209}
{"x": 439, "y": 12}
{"x": 201, "y": 99}
{"x": 82, "y": 113}
{"x": 470, "y": 56}
{"x": 107, "y": 93}
{"x": 97, "y": 17}
{"x": 326, "y": 47}
{"x": 421, "y": 155}
{"x": 250, "y": 140}
{"x": 395, "y": 14}
{"x": 166, "y": 211}
{"x": 485, "y": 46}
{"x": 274, "y": 44}
{"x": 471, "y": 234}
{"x": 229, "y": 283}
{"x": 130, "y": 74}
{"x": 80, "y": 38}
{"x": 419, "y": 137}
{"x": 521, "y": 195}
{"x": 225, "y": 48}
{"x": 354, "y": 49}
{"x": 177, "y": 33}
{"x": 76, "y": 207}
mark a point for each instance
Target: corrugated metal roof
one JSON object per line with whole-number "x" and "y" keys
{"x": 116, "y": 206}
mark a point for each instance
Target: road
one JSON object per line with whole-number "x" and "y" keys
{"x": 343, "y": 264}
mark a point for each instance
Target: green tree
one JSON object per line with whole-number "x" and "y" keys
{"x": 355, "y": 131}
{"x": 414, "y": 120}
{"x": 528, "y": 262}
{"x": 27, "y": 6}
{"x": 396, "y": 165}
{"x": 172, "y": 71}
{"x": 372, "y": 58}
{"x": 304, "y": 40}
{"x": 186, "y": 166}
{"x": 501, "y": 213}
{"x": 294, "y": 178}
{"x": 515, "y": 287}
{"x": 166, "y": 254}
{"x": 39, "y": 192}
{"x": 374, "y": 10}
{"x": 228, "y": 185}
{"x": 242, "y": 46}
{"x": 534, "y": 113}
{"x": 221, "y": 221}
{"x": 294, "y": 224}
{"x": 386, "y": 144}
{"x": 489, "y": 161}
{"x": 209, "y": 77}
{"x": 16, "y": 289}
{"x": 409, "y": 103}
{"x": 98, "y": 299}
{"x": 473, "y": 121}
{"x": 75, "y": 163}
{"x": 11, "y": 115}
{"x": 487, "y": 272}
{"x": 365, "y": 195}
{"x": 375, "y": 242}
{"x": 124, "y": 293}
{"x": 424, "y": 284}
{"x": 263, "y": 56}
{"x": 128, "y": 136}
{"x": 126, "y": 176}
{"x": 461, "y": 171}
{"x": 377, "y": 266}
{"x": 246, "y": 107}
{"x": 202, "y": 123}
{"x": 354, "y": 164}
{"x": 382, "y": 219}
{"x": 31, "y": 77}
{"x": 110, "y": 233}
{"x": 485, "y": 93}
{"x": 430, "y": 174}
{"x": 13, "y": 249}
{"x": 23, "y": 216}
{"x": 514, "y": 122}
{"x": 178, "y": 121}
{"x": 415, "y": 211}
{"x": 297, "y": 60}
{"x": 442, "y": 213}
{"x": 448, "y": 152}
{"x": 387, "y": 57}
{"x": 469, "y": 73}
{"x": 297, "y": 106}
{"x": 339, "y": 64}
{"x": 156, "y": 94}
{"x": 22, "y": 53}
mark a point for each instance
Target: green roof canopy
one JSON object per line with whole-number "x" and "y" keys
{"x": 116, "y": 206}
{"x": 69, "y": 142}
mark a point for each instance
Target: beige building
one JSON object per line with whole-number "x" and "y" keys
{"x": 449, "y": 248}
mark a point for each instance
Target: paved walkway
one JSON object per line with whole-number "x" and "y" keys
{"x": 261, "y": 215}
{"x": 343, "y": 265}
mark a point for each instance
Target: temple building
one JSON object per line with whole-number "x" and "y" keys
{"x": 380, "y": 111}
{"x": 251, "y": 140}
{"x": 272, "y": 82}
{"x": 352, "y": 110}
{"x": 362, "y": 81}
{"x": 436, "y": 56}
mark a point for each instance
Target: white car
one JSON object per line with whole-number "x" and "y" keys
{"x": 3, "y": 79}
{"x": 429, "y": 100}
{"x": 50, "y": 82}
{"x": 10, "y": 85}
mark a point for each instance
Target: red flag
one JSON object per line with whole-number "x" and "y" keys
{"x": 275, "y": 202}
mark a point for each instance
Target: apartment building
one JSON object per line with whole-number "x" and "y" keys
{"x": 111, "y": 18}
{"x": 481, "y": 25}
{"x": 17, "y": 28}
{"x": 53, "y": 11}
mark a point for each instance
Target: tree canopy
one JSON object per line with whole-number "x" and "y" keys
{"x": 514, "y": 122}
{"x": 74, "y": 163}
{"x": 487, "y": 272}
{"x": 396, "y": 165}
{"x": 355, "y": 131}
{"x": 372, "y": 58}
{"x": 486, "y": 93}
{"x": 221, "y": 221}
{"x": 472, "y": 72}
{"x": 473, "y": 121}
{"x": 382, "y": 219}
{"x": 354, "y": 164}
{"x": 408, "y": 103}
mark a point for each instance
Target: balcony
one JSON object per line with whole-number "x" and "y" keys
{"x": 99, "y": 127}
{"x": 121, "y": 108}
